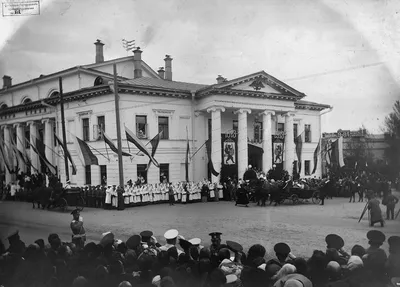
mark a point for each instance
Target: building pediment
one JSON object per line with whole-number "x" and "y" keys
{"x": 260, "y": 82}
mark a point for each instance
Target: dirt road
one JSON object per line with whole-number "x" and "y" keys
{"x": 303, "y": 226}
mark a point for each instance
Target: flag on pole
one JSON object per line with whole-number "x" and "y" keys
{"x": 26, "y": 156}
{"x": 210, "y": 163}
{"x": 299, "y": 146}
{"x": 65, "y": 150}
{"x": 128, "y": 45}
{"x": 109, "y": 142}
{"x": 85, "y": 155}
{"x": 5, "y": 155}
{"x": 17, "y": 152}
{"x": 131, "y": 137}
{"x": 187, "y": 158}
{"x": 316, "y": 152}
{"x": 39, "y": 150}
{"x": 337, "y": 152}
{"x": 154, "y": 145}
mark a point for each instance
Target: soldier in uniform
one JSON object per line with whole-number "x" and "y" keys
{"x": 375, "y": 257}
{"x": 97, "y": 196}
{"x": 78, "y": 231}
{"x": 91, "y": 196}
{"x": 283, "y": 255}
{"x": 376, "y": 212}
{"x": 197, "y": 243}
{"x": 334, "y": 249}
{"x": 393, "y": 262}
{"x": 171, "y": 237}
{"x": 390, "y": 201}
{"x": 215, "y": 242}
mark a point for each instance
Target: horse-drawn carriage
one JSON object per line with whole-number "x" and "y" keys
{"x": 299, "y": 195}
{"x": 47, "y": 197}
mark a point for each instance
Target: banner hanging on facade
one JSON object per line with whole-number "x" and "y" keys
{"x": 229, "y": 149}
{"x": 278, "y": 142}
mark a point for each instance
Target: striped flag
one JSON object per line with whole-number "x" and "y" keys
{"x": 131, "y": 137}
{"x": 65, "y": 150}
{"x": 154, "y": 145}
{"x": 5, "y": 155}
{"x": 84, "y": 153}
{"x": 39, "y": 150}
{"x": 337, "y": 152}
{"x": 128, "y": 45}
{"x": 299, "y": 146}
{"x": 112, "y": 146}
{"x": 316, "y": 152}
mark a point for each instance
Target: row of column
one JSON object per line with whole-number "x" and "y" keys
{"x": 242, "y": 140}
{"x": 20, "y": 144}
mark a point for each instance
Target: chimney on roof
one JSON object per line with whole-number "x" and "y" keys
{"x": 7, "y": 81}
{"x": 99, "y": 51}
{"x": 220, "y": 79}
{"x": 161, "y": 72}
{"x": 168, "y": 68}
{"x": 137, "y": 62}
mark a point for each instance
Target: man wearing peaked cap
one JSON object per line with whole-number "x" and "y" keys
{"x": 393, "y": 262}
{"x": 16, "y": 245}
{"x": 108, "y": 238}
{"x": 185, "y": 244}
{"x": 171, "y": 237}
{"x": 282, "y": 252}
{"x": 133, "y": 242}
{"x": 375, "y": 257}
{"x": 196, "y": 242}
{"x": 146, "y": 236}
{"x": 215, "y": 242}
{"x": 234, "y": 246}
{"x": 335, "y": 250}
{"x": 78, "y": 231}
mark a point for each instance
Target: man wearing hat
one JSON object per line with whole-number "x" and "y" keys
{"x": 376, "y": 212}
{"x": 196, "y": 243}
{"x": 215, "y": 242}
{"x": 171, "y": 237}
{"x": 146, "y": 237}
{"x": 393, "y": 262}
{"x": 283, "y": 253}
{"x": 390, "y": 202}
{"x": 16, "y": 244}
{"x": 78, "y": 231}
{"x": 335, "y": 252}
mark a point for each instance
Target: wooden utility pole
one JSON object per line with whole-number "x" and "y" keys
{"x": 120, "y": 163}
{"x": 63, "y": 129}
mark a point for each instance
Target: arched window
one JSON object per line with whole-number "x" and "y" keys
{"x": 54, "y": 94}
{"x": 3, "y": 106}
{"x": 26, "y": 101}
{"x": 99, "y": 81}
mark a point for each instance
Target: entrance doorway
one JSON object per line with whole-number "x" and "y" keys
{"x": 255, "y": 156}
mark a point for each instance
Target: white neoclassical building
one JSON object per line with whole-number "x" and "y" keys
{"x": 252, "y": 119}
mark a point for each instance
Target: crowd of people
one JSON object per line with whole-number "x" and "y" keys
{"x": 143, "y": 261}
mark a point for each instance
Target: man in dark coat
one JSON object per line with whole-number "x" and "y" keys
{"x": 390, "y": 201}
{"x": 242, "y": 197}
{"x": 78, "y": 231}
{"x": 376, "y": 212}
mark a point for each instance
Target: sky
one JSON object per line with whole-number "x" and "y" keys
{"x": 344, "y": 53}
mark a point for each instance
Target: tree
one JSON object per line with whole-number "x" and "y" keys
{"x": 392, "y": 136}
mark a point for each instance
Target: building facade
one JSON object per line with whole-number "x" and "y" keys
{"x": 241, "y": 117}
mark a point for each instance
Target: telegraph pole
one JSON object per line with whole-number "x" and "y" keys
{"x": 63, "y": 129}
{"x": 120, "y": 163}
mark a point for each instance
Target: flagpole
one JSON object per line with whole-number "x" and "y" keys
{"x": 63, "y": 128}
{"x": 120, "y": 163}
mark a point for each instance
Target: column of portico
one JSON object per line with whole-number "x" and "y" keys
{"x": 300, "y": 130}
{"x": 267, "y": 140}
{"x": 289, "y": 143}
{"x": 34, "y": 157}
{"x": 243, "y": 160}
{"x": 20, "y": 144}
{"x": 7, "y": 150}
{"x": 48, "y": 139}
{"x": 216, "y": 151}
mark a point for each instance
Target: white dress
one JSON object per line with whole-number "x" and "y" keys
{"x": 108, "y": 196}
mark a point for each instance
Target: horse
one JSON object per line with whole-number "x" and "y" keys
{"x": 42, "y": 196}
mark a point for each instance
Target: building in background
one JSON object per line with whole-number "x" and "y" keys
{"x": 253, "y": 119}
{"x": 360, "y": 149}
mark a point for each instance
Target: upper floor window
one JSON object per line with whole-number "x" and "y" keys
{"x": 280, "y": 127}
{"x": 307, "y": 133}
{"x": 141, "y": 127}
{"x": 26, "y": 101}
{"x": 101, "y": 125}
{"x": 99, "y": 81}
{"x": 209, "y": 126}
{"x": 307, "y": 167}
{"x": 163, "y": 126}
{"x": 85, "y": 130}
{"x": 235, "y": 126}
{"x": 295, "y": 132}
{"x": 258, "y": 131}
{"x": 54, "y": 94}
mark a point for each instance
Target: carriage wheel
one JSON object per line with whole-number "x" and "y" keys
{"x": 295, "y": 198}
{"x": 63, "y": 204}
{"x": 315, "y": 197}
{"x": 80, "y": 204}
